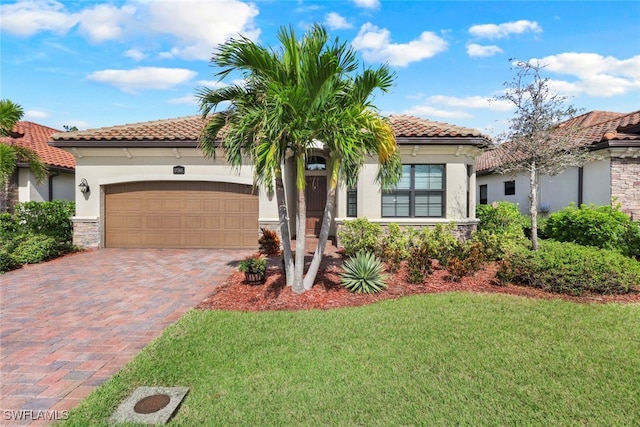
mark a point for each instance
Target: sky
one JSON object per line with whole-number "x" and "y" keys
{"x": 102, "y": 63}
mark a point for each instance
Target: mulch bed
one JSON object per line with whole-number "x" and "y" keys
{"x": 327, "y": 293}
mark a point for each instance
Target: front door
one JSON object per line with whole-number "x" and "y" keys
{"x": 316, "y": 197}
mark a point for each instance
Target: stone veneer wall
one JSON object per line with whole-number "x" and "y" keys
{"x": 625, "y": 185}
{"x": 86, "y": 233}
{"x": 9, "y": 198}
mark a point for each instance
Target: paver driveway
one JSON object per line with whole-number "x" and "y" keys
{"x": 69, "y": 324}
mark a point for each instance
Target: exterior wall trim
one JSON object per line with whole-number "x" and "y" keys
{"x": 163, "y": 177}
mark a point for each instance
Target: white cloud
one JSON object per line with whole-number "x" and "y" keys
{"x": 194, "y": 27}
{"x": 135, "y": 54}
{"x": 105, "y": 22}
{"x": 474, "y": 49}
{"x": 35, "y": 114}
{"x": 367, "y": 4}
{"x": 143, "y": 78}
{"x": 26, "y": 18}
{"x": 430, "y": 112}
{"x": 199, "y": 26}
{"x": 375, "y": 44}
{"x": 188, "y": 99}
{"x": 335, "y": 21}
{"x": 499, "y": 31}
{"x": 596, "y": 75}
{"x": 474, "y": 102}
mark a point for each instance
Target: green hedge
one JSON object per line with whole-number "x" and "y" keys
{"x": 570, "y": 268}
{"x": 604, "y": 227}
{"x": 36, "y": 232}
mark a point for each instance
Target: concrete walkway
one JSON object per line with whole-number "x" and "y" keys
{"x": 67, "y": 325}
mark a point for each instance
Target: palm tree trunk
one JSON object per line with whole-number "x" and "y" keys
{"x": 533, "y": 207}
{"x": 283, "y": 217}
{"x": 301, "y": 224}
{"x": 310, "y": 278}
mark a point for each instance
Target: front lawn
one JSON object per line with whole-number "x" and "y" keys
{"x": 439, "y": 359}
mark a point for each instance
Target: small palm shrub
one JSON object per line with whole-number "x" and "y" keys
{"x": 363, "y": 274}
{"x": 570, "y": 268}
{"x": 269, "y": 242}
{"x": 360, "y": 235}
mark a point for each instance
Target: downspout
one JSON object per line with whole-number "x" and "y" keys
{"x": 580, "y": 185}
{"x": 51, "y": 176}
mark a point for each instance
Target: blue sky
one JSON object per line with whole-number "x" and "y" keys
{"x": 102, "y": 63}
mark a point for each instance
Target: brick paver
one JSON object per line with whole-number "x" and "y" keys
{"x": 69, "y": 324}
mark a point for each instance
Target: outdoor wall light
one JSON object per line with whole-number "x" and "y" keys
{"x": 84, "y": 186}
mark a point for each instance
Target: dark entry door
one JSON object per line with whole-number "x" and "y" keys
{"x": 316, "y": 197}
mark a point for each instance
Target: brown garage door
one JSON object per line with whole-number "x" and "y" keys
{"x": 180, "y": 215}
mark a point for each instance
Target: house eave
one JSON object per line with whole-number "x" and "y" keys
{"x": 126, "y": 144}
{"x": 417, "y": 140}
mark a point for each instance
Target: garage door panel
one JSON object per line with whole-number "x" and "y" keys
{"x": 180, "y": 214}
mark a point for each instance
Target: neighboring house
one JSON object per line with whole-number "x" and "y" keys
{"x": 22, "y": 185}
{"x": 151, "y": 186}
{"x": 615, "y": 175}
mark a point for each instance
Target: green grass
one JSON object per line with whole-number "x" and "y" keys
{"x": 445, "y": 359}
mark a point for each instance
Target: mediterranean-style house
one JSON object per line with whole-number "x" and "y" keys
{"x": 149, "y": 185}
{"x": 22, "y": 185}
{"x": 613, "y": 178}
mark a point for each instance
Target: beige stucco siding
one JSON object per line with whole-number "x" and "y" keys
{"x": 30, "y": 191}
{"x": 102, "y": 167}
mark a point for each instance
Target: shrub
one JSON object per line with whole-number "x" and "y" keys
{"x": 395, "y": 245}
{"x": 253, "y": 264}
{"x": 269, "y": 242}
{"x": 49, "y": 218}
{"x": 502, "y": 218}
{"x": 8, "y": 225}
{"x": 570, "y": 268}
{"x": 7, "y": 261}
{"x": 363, "y": 274}
{"x": 604, "y": 227}
{"x": 495, "y": 246}
{"x": 36, "y": 248}
{"x": 441, "y": 243}
{"x": 419, "y": 262}
{"x": 360, "y": 235}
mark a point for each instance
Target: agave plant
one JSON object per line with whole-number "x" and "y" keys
{"x": 363, "y": 274}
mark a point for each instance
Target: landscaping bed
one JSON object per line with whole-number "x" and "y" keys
{"x": 235, "y": 294}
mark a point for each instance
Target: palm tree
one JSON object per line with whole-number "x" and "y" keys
{"x": 11, "y": 154}
{"x": 292, "y": 98}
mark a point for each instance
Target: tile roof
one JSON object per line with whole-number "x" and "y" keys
{"x": 410, "y": 126}
{"x": 187, "y": 130}
{"x": 36, "y": 137}
{"x": 597, "y": 127}
{"x": 178, "y": 129}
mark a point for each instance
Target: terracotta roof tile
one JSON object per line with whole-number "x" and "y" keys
{"x": 36, "y": 137}
{"x": 189, "y": 128}
{"x": 597, "y": 127}
{"x": 410, "y": 126}
{"x": 178, "y": 129}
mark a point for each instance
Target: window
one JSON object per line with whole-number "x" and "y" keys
{"x": 352, "y": 202}
{"x": 509, "y": 188}
{"x": 483, "y": 194}
{"x": 316, "y": 163}
{"x": 419, "y": 193}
